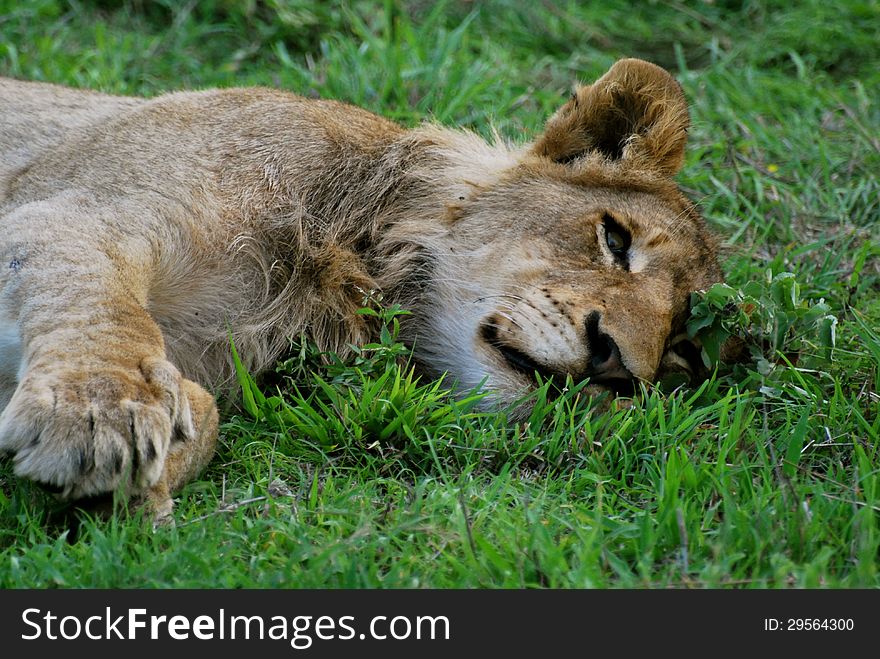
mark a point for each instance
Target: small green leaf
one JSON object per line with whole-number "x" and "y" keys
{"x": 795, "y": 446}
{"x": 251, "y": 396}
{"x": 696, "y": 323}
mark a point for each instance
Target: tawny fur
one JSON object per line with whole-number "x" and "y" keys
{"x": 137, "y": 234}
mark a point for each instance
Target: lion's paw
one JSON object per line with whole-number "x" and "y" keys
{"x": 84, "y": 431}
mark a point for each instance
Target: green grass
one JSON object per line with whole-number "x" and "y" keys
{"x": 356, "y": 475}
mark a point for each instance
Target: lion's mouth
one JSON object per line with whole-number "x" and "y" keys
{"x": 522, "y": 363}
{"x": 619, "y": 383}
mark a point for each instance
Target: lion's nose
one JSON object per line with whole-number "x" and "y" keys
{"x": 605, "y": 361}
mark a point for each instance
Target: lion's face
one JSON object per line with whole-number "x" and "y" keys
{"x": 579, "y": 260}
{"x": 557, "y": 277}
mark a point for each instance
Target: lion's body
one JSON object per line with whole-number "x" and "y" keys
{"x": 136, "y": 234}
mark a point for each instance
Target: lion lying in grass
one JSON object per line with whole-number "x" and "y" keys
{"x": 137, "y": 233}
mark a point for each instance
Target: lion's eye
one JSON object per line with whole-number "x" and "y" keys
{"x": 616, "y": 237}
{"x": 615, "y": 241}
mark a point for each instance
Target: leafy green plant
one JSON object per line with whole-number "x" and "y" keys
{"x": 768, "y": 316}
{"x": 369, "y": 359}
{"x": 374, "y": 400}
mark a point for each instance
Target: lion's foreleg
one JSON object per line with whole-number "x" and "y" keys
{"x": 97, "y": 407}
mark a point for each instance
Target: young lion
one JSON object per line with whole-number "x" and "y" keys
{"x": 136, "y": 233}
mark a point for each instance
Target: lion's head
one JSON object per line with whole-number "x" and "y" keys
{"x": 576, "y": 254}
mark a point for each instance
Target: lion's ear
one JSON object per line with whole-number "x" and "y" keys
{"x": 635, "y": 112}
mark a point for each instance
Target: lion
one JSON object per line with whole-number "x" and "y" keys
{"x": 138, "y": 235}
